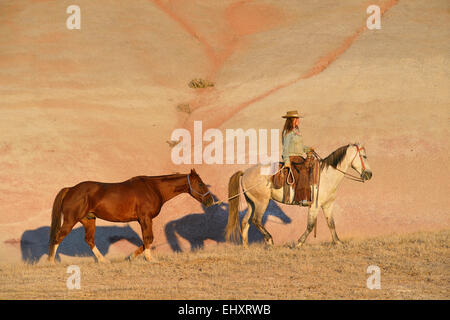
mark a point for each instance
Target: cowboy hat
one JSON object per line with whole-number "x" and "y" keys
{"x": 292, "y": 114}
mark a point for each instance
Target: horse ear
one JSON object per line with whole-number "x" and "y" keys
{"x": 193, "y": 171}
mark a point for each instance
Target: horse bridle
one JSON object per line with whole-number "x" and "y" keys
{"x": 350, "y": 176}
{"x": 360, "y": 157}
{"x": 194, "y": 191}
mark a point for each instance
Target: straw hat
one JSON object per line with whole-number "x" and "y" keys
{"x": 292, "y": 114}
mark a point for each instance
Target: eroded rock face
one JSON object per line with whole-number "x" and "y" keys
{"x": 100, "y": 103}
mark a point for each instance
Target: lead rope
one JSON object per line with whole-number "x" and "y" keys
{"x": 244, "y": 191}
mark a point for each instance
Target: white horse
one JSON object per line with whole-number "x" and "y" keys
{"x": 258, "y": 190}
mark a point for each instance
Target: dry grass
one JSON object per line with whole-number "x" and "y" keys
{"x": 412, "y": 266}
{"x": 200, "y": 83}
{"x": 184, "y": 107}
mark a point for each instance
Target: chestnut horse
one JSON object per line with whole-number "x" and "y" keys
{"x": 137, "y": 199}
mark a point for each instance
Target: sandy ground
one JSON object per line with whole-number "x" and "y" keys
{"x": 413, "y": 266}
{"x": 100, "y": 104}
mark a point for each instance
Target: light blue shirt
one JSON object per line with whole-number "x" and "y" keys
{"x": 293, "y": 145}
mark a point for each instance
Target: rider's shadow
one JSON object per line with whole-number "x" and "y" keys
{"x": 34, "y": 243}
{"x": 211, "y": 224}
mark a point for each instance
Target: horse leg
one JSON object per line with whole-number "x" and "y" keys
{"x": 72, "y": 213}
{"x": 147, "y": 236}
{"x": 328, "y": 212}
{"x": 65, "y": 229}
{"x": 245, "y": 223}
{"x": 136, "y": 253}
{"x": 312, "y": 219}
{"x": 260, "y": 208}
{"x": 89, "y": 237}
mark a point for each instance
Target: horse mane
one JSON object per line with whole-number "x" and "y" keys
{"x": 163, "y": 177}
{"x": 335, "y": 158}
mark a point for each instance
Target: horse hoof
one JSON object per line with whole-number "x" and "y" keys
{"x": 289, "y": 245}
{"x": 148, "y": 258}
{"x": 152, "y": 260}
{"x": 299, "y": 244}
{"x": 105, "y": 261}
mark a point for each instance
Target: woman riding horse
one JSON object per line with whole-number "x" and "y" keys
{"x": 258, "y": 188}
{"x": 296, "y": 153}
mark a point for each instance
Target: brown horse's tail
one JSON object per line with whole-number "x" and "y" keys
{"x": 56, "y": 215}
{"x": 233, "y": 227}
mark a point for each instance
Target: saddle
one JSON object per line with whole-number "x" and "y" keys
{"x": 304, "y": 174}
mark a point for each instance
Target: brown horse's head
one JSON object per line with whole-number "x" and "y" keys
{"x": 198, "y": 189}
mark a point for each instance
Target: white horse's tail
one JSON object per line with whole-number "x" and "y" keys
{"x": 233, "y": 226}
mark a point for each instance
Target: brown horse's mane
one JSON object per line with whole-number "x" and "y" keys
{"x": 142, "y": 177}
{"x": 164, "y": 177}
{"x": 174, "y": 175}
{"x": 335, "y": 158}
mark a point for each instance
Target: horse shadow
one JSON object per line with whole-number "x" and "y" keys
{"x": 210, "y": 225}
{"x": 34, "y": 243}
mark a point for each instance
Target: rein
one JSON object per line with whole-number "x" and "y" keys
{"x": 350, "y": 176}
